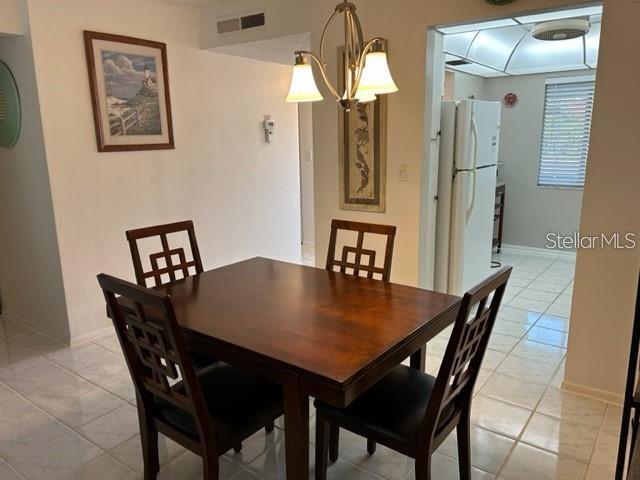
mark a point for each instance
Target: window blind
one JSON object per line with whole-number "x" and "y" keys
{"x": 565, "y": 133}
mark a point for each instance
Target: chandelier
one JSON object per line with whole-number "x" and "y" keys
{"x": 365, "y": 74}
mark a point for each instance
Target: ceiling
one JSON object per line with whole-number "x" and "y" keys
{"x": 505, "y": 47}
{"x": 274, "y": 50}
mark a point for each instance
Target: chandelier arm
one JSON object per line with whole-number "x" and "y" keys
{"x": 324, "y": 32}
{"x": 357, "y": 27}
{"x": 349, "y": 56}
{"x": 323, "y": 70}
{"x": 356, "y": 44}
{"x": 368, "y": 46}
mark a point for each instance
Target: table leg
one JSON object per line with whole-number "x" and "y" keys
{"x": 296, "y": 426}
{"x": 419, "y": 359}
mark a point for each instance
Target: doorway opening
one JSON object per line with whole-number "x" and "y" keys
{"x": 508, "y": 118}
{"x": 509, "y": 104}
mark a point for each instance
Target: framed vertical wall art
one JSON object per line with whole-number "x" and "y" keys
{"x": 363, "y": 154}
{"x": 129, "y": 92}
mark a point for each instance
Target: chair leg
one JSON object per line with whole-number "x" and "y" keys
{"x": 149, "y": 439}
{"x": 371, "y": 446}
{"x": 237, "y": 447}
{"x": 334, "y": 441}
{"x": 211, "y": 470}
{"x": 463, "y": 432}
{"x": 269, "y": 427}
{"x": 423, "y": 467}
{"x": 323, "y": 430}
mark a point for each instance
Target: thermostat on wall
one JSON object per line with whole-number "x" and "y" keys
{"x": 269, "y": 130}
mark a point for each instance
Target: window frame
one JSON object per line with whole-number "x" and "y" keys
{"x": 554, "y": 81}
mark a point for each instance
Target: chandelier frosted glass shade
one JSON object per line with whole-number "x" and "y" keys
{"x": 376, "y": 76}
{"x": 364, "y": 97}
{"x": 303, "y": 85}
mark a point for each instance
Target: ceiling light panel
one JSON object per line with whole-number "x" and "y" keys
{"x": 459, "y": 43}
{"x": 531, "y": 55}
{"x": 576, "y": 12}
{"x": 494, "y": 47}
{"x": 505, "y": 22}
{"x": 530, "y": 70}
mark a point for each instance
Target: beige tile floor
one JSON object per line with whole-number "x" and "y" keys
{"x": 69, "y": 413}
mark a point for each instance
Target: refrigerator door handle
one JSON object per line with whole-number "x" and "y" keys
{"x": 474, "y": 131}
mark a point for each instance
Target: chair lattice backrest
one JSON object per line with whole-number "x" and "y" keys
{"x": 363, "y": 260}
{"x": 152, "y": 344}
{"x": 169, "y": 263}
{"x": 466, "y": 348}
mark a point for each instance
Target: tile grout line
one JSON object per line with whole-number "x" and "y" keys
{"x": 68, "y": 427}
{"x": 547, "y": 387}
{"x": 62, "y": 422}
{"x": 532, "y": 411}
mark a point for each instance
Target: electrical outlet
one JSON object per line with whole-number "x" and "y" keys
{"x": 403, "y": 172}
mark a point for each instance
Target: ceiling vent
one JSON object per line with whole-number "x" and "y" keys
{"x": 457, "y": 63}
{"x": 561, "y": 29}
{"x": 245, "y": 22}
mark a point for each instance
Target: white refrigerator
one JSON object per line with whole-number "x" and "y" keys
{"x": 470, "y": 134}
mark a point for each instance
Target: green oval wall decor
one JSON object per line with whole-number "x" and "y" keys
{"x": 10, "y": 112}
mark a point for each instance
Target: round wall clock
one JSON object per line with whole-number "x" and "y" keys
{"x": 510, "y": 100}
{"x": 10, "y": 111}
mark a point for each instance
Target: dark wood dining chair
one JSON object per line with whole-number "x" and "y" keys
{"x": 412, "y": 412}
{"x": 169, "y": 264}
{"x": 209, "y": 411}
{"x": 354, "y": 260}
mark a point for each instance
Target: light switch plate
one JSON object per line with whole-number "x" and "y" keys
{"x": 403, "y": 172}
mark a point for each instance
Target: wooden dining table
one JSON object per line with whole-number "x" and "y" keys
{"x": 317, "y": 333}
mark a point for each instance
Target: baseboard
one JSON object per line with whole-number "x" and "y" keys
{"x": 594, "y": 393}
{"x": 524, "y": 250}
{"x": 15, "y": 318}
{"x": 91, "y": 336}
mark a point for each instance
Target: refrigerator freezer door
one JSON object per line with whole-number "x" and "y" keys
{"x": 471, "y": 231}
{"x": 445, "y": 188}
{"x": 481, "y": 149}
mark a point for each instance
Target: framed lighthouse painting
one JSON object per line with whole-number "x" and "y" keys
{"x": 129, "y": 92}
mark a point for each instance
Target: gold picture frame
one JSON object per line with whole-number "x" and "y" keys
{"x": 363, "y": 154}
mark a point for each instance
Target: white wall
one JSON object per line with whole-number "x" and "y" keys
{"x": 242, "y": 193}
{"x": 305, "y": 116}
{"x": 469, "y": 86}
{"x": 606, "y": 279}
{"x": 530, "y": 211}
{"x": 30, "y": 276}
